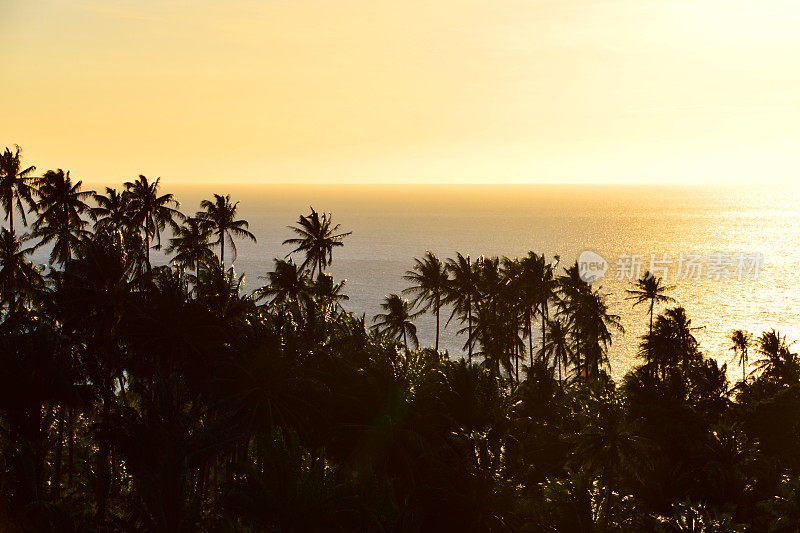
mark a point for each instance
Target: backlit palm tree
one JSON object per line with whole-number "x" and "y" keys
{"x": 220, "y": 216}
{"x": 113, "y": 210}
{"x": 18, "y": 277}
{"x": 327, "y": 291}
{"x": 671, "y": 340}
{"x": 430, "y": 280}
{"x": 496, "y": 333}
{"x": 650, "y": 289}
{"x": 461, "y": 292}
{"x": 287, "y": 282}
{"x": 740, "y": 344}
{"x": 191, "y": 244}
{"x": 317, "y": 237}
{"x": 397, "y": 321}
{"x": 151, "y": 211}
{"x": 590, "y": 322}
{"x": 61, "y": 208}
{"x": 558, "y": 345}
{"x": 777, "y": 358}
{"x": 537, "y": 288}
{"x": 16, "y": 186}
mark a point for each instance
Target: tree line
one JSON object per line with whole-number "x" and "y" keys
{"x": 141, "y": 397}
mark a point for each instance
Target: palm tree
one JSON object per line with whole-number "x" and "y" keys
{"x": 220, "y": 216}
{"x": 570, "y": 283}
{"x": 18, "y": 277}
{"x": 537, "y": 289}
{"x": 397, "y": 321}
{"x": 650, "y": 289}
{"x": 558, "y": 345}
{"x": 190, "y": 244}
{"x": 287, "y": 282}
{"x": 317, "y": 238}
{"x": 590, "y": 323}
{"x": 461, "y": 292}
{"x": 429, "y": 276}
{"x": 151, "y": 211}
{"x": 16, "y": 186}
{"x": 113, "y": 210}
{"x": 326, "y": 290}
{"x": 740, "y": 343}
{"x": 61, "y": 206}
{"x": 671, "y": 340}
{"x": 514, "y": 295}
{"x": 548, "y": 285}
{"x": 496, "y": 331}
{"x": 777, "y": 358}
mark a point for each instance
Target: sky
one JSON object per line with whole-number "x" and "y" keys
{"x": 406, "y": 91}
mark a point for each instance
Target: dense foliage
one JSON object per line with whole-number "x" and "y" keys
{"x": 162, "y": 398}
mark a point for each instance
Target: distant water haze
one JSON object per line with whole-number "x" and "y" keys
{"x": 393, "y": 224}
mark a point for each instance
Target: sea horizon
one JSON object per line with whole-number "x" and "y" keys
{"x": 393, "y": 224}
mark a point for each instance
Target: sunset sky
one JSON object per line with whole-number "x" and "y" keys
{"x": 522, "y": 91}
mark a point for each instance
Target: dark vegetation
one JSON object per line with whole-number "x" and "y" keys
{"x": 161, "y": 398}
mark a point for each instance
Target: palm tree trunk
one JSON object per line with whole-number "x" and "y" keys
{"x": 147, "y": 246}
{"x": 649, "y": 348}
{"x": 11, "y": 216}
{"x": 222, "y": 248}
{"x": 544, "y": 315}
{"x": 405, "y": 340}
{"x": 529, "y": 320}
{"x": 438, "y": 310}
{"x": 744, "y": 364}
{"x": 469, "y": 330}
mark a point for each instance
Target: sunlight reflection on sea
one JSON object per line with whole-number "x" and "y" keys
{"x": 393, "y": 224}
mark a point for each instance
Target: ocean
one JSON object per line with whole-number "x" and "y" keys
{"x": 746, "y": 242}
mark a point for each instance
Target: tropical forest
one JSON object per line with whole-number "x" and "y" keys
{"x": 141, "y": 394}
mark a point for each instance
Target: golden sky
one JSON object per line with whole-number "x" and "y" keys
{"x": 522, "y": 91}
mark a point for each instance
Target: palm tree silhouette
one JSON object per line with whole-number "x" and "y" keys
{"x": 18, "y": 277}
{"x": 151, "y": 211}
{"x": 191, "y": 244}
{"x": 112, "y": 212}
{"x": 287, "y": 282}
{"x": 397, "y": 321}
{"x": 16, "y": 186}
{"x": 489, "y": 304}
{"x": 537, "y": 289}
{"x": 548, "y": 286}
{"x": 317, "y": 238}
{"x": 671, "y": 341}
{"x": 558, "y": 345}
{"x": 740, "y": 344}
{"x": 326, "y": 290}
{"x": 496, "y": 331}
{"x": 586, "y": 312}
{"x": 61, "y": 206}
{"x": 429, "y": 276}
{"x": 777, "y": 359}
{"x": 461, "y": 292}
{"x": 649, "y": 289}
{"x": 220, "y": 216}
{"x": 515, "y": 301}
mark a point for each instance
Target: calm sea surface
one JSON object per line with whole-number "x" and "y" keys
{"x": 393, "y": 224}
